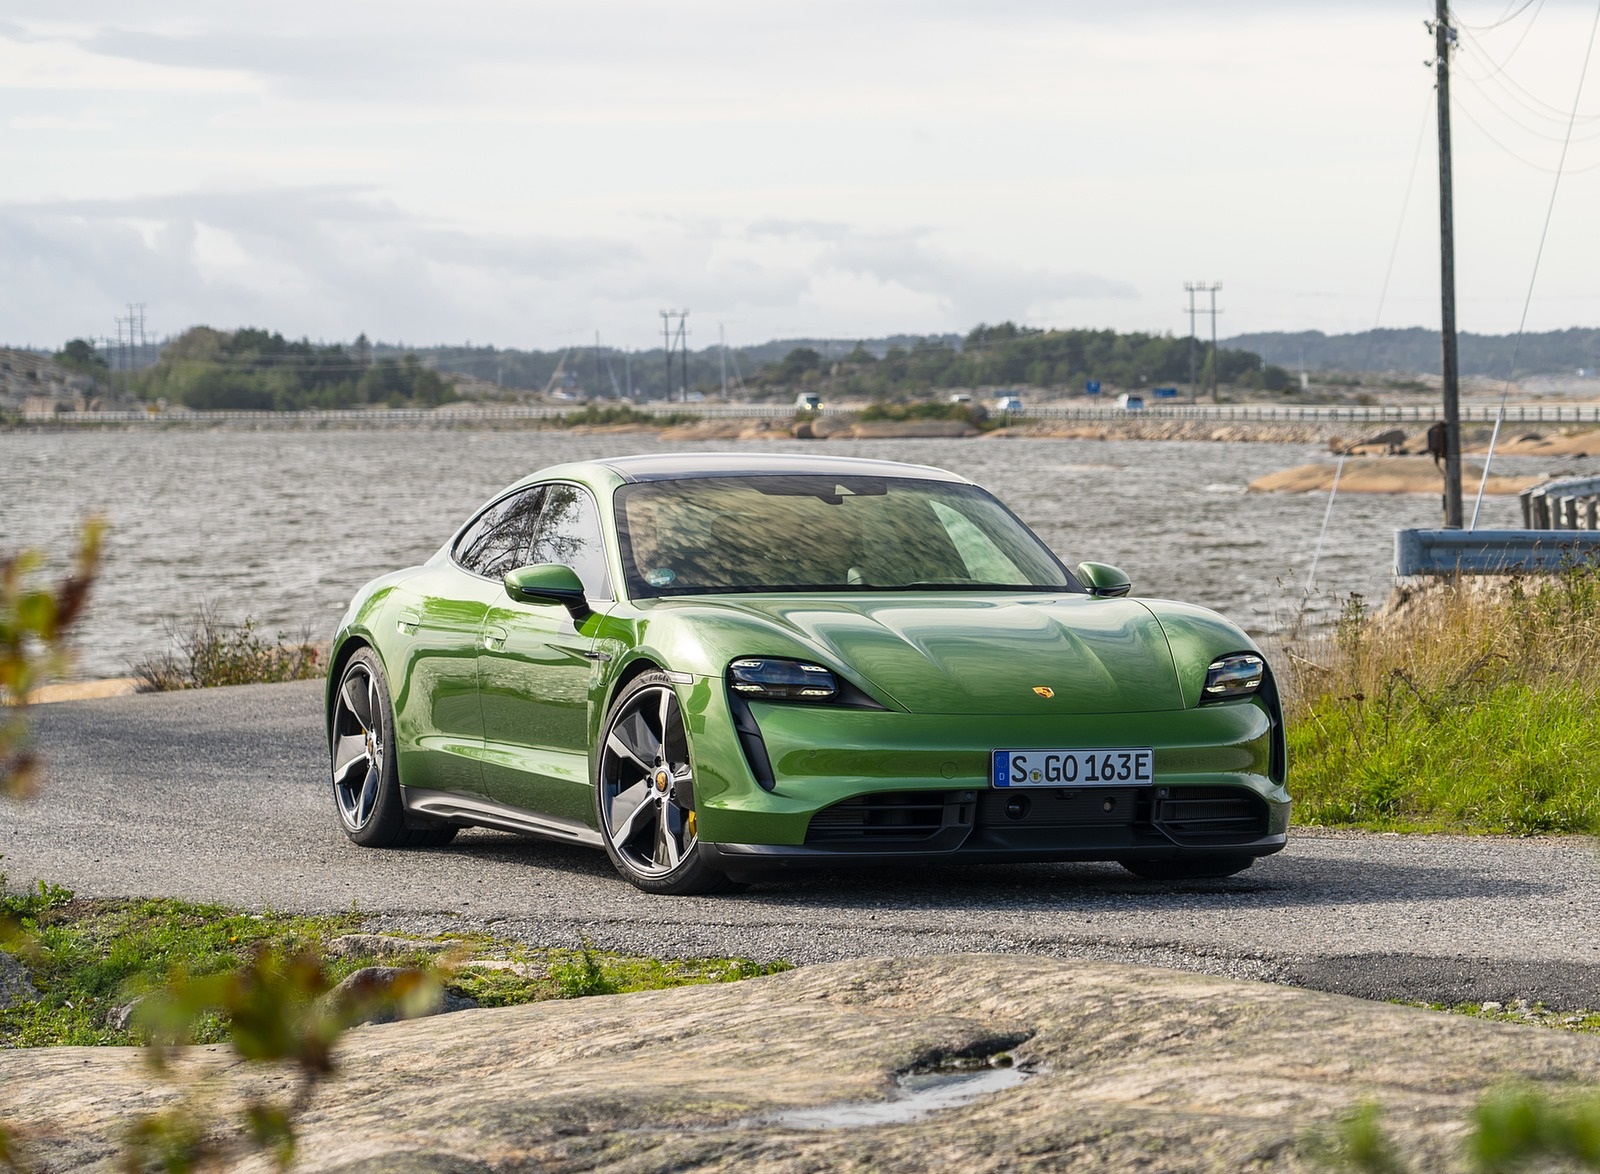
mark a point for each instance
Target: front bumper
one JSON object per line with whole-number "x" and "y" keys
{"x": 861, "y": 785}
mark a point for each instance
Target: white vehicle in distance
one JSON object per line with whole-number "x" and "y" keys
{"x": 1011, "y": 405}
{"x": 808, "y": 401}
{"x": 1129, "y": 402}
{"x": 960, "y": 397}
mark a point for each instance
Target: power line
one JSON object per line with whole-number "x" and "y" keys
{"x": 1399, "y": 229}
{"x": 1526, "y": 162}
{"x": 1544, "y": 232}
{"x": 1505, "y": 18}
{"x": 1564, "y": 123}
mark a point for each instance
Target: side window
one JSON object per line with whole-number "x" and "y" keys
{"x": 569, "y": 533}
{"x": 499, "y": 541}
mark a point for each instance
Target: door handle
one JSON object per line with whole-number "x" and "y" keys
{"x": 494, "y": 638}
{"x": 407, "y": 622}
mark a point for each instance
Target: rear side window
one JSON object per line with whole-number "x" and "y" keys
{"x": 502, "y": 537}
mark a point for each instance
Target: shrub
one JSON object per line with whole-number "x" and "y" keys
{"x": 211, "y": 651}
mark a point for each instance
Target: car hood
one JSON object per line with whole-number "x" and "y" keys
{"x": 933, "y": 653}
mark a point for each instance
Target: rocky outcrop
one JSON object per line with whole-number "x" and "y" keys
{"x": 1383, "y": 475}
{"x": 1133, "y": 1069}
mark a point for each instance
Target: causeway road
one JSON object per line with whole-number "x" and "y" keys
{"x": 221, "y": 795}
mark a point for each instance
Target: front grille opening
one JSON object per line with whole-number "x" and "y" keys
{"x": 894, "y": 816}
{"x": 1198, "y": 814}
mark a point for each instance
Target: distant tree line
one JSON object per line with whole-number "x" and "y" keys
{"x": 1008, "y": 354}
{"x": 253, "y": 370}
{"x": 1416, "y": 351}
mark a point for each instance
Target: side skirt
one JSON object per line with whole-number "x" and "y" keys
{"x": 449, "y": 807}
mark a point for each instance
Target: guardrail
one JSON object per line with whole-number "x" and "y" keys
{"x": 1490, "y": 552}
{"x": 1294, "y": 413}
{"x": 1255, "y": 413}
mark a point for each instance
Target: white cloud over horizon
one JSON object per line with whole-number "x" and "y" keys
{"x": 525, "y": 175}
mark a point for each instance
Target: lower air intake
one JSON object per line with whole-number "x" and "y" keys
{"x": 1198, "y": 814}
{"x": 890, "y": 818}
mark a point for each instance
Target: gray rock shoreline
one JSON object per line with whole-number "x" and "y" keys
{"x": 1133, "y": 1068}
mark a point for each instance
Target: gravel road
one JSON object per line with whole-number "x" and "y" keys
{"x": 220, "y": 795}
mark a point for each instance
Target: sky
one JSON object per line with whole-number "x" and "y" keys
{"x": 523, "y": 173}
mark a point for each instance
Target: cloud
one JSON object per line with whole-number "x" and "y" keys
{"x": 331, "y": 261}
{"x": 967, "y": 289}
{"x": 303, "y": 260}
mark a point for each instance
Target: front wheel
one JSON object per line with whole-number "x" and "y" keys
{"x": 1193, "y": 868}
{"x": 644, "y": 793}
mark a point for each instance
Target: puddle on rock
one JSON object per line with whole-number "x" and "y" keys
{"x": 917, "y": 1094}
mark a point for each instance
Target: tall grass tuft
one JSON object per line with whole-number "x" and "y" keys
{"x": 1467, "y": 705}
{"x": 212, "y": 651}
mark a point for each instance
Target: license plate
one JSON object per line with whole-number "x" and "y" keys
{"x": 1073, "y": 768}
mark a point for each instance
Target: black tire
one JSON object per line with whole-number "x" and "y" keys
{"x": 1192, "y": 868}
{"x": 644, "y": 793}
{"x": 364, "y": 768}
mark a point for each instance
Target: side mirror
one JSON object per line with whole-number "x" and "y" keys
{"x": 1103, "y": 580}
{"x": 548, "y": 583}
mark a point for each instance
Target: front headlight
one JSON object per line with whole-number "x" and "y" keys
{"x": 1230, "y": 677}
{"x": 768, "y": 679}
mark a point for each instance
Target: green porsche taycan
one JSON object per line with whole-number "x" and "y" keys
{"x": 718, "y": 666}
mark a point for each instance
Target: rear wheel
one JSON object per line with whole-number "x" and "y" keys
{"x": 366, "y": 778}
{"x": 644, "y": 793}
{"x": 1195, "y": 868}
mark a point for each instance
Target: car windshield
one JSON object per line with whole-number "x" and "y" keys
{"x": 825, "y": 533}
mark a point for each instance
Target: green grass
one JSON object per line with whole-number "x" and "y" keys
{"x": 88, "y": 957}
{"x": 1467, "y": 707}
{"x": 972, "y": 413}
{"x": 1519, "y": 758}
{"x": 1534, "y": 1014}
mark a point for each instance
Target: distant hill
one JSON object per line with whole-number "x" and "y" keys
{"x": 1416, "y": 351}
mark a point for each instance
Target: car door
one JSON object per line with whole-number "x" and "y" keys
{"x": 440, "y": 617}
{"x": 535, "y": 667}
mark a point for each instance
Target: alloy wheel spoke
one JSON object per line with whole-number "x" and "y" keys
{"x": 355, "y": 703}
{"x": 369, "y": 796}
{"x": 667, "y": 851}
{"x": 661, "y": 717}
{"x": 625, "y": 830}
{"x": 645, "y": 741}
{"x": 617, "y": 746}
{"x": 350, "y": 752}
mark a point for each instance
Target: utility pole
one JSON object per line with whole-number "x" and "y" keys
{"x": 1190, "y": 288}
{"x": 1211, "y": 288}
{"x": 1215, "y": 286}
{"x": 683, "y": 351}
{"x": 1443, "y": 38}
{"x": 666, "y": 343}
{"x": 125, "y": 349}
{"x": 598, "y": 385}
{"x": 722, "y": 340}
